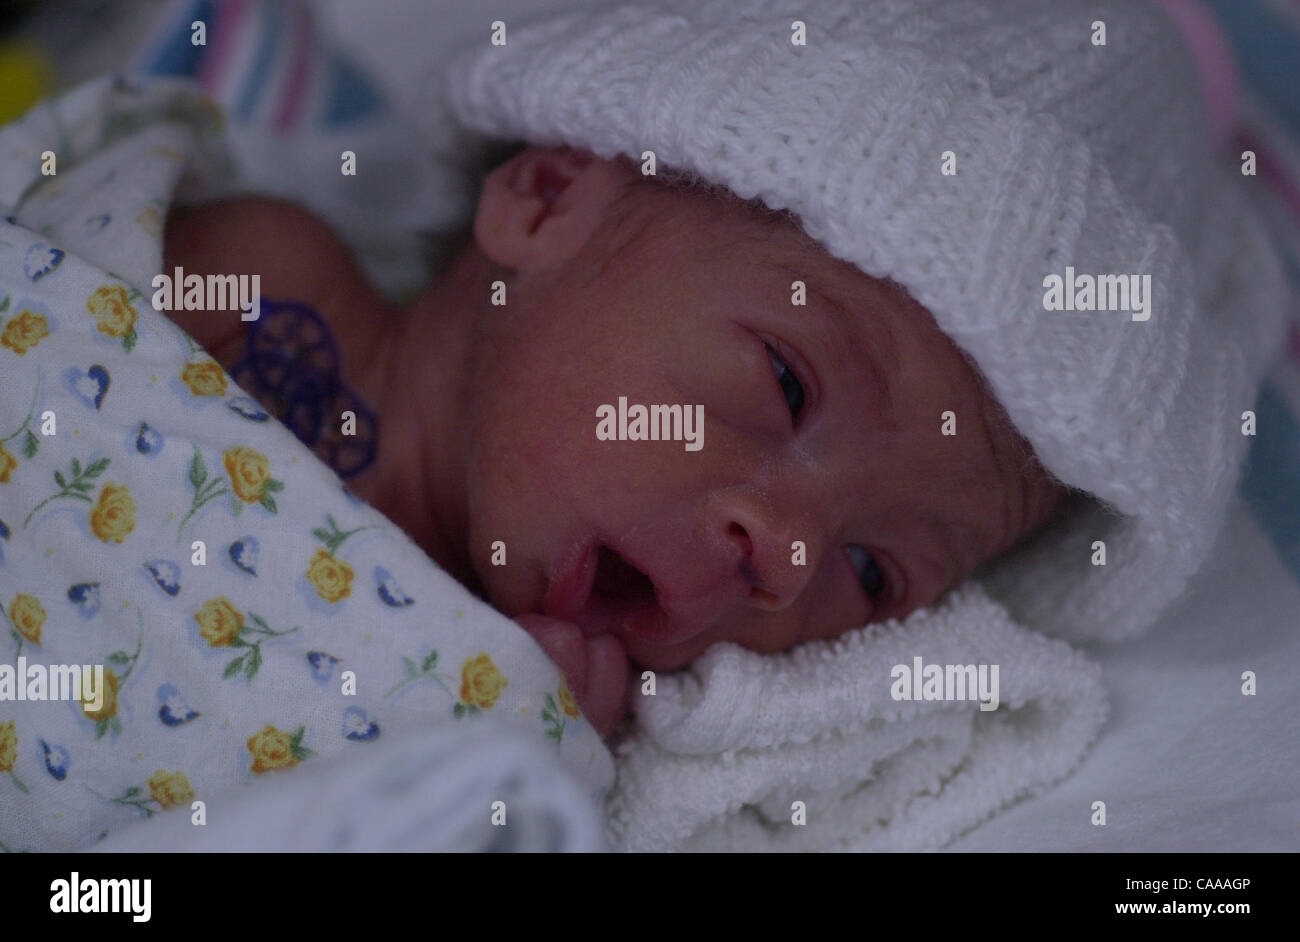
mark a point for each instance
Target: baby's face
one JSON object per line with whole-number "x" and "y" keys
{"x": 825, "y": 494}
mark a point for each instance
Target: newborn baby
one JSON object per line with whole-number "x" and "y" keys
{"x": 825, "y": 497}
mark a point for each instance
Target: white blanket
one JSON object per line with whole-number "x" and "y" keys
{"x": 730, "y": 752}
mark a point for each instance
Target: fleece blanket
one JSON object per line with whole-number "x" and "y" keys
{"x": 249, "y": 615}
{"x": 898, "y": 736}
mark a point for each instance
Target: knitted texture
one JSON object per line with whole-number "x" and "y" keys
{"x": 1068, "y": 154}
{"x": 732, "y": 739}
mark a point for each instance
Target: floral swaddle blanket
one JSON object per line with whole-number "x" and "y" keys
{"x": 249, "y": 613}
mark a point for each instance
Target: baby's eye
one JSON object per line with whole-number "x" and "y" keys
{"x": 790, "y": 385}
{"x": 869, "y": 572}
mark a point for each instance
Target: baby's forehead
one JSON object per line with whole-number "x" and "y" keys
{"x": 767, "y": 250}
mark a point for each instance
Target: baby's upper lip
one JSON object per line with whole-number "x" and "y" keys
{"x": 684, "y": 595}
{"x": 572, "y": 596}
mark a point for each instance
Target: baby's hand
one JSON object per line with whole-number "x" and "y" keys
{"x": 596, "y": 669}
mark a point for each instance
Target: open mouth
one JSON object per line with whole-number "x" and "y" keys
{"x": 620, "y": 583}
{"x": 603, "y": 593}
{"x": 622, "y": 597}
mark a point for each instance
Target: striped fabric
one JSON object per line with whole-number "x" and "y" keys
{"x": 265, "y": 62}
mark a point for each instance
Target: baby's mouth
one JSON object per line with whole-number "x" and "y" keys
{"x": 622, "y": 596}
{"x": 603, "y": 593}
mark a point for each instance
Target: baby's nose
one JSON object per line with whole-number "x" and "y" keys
{"x": 772, "y": 565}
{"x": 742, "y": 552}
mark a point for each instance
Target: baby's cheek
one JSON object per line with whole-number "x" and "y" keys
{"x": 546, "y": 442}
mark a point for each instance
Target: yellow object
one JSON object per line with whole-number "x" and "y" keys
{"x": 26, "y": 76}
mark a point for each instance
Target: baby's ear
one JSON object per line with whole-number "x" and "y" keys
{"x": 541, "y": 206}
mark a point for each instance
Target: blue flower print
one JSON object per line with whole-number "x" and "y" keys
{"x": 90, "y": 386}
{"x": 40, "y": 260}
{"x": 56, "y": 760}
{"x": 96, "y": 223}
{"x": 173, "y": 710}
{"x": 322, "y": 664}
{"x": 148, "y": 440}
{"x": 357, "y": 726}
{"x": 243, "y": 553}
{"x": 390, "y": 593}
{"x": 248, "y": 408}
{"x": 85, "y": 595}
{"x": 166, "y": 573}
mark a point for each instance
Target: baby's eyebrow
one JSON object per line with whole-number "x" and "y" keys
{"x": 860, "y": 343}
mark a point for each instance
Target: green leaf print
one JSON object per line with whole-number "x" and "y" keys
{"x": 78, "y": 487}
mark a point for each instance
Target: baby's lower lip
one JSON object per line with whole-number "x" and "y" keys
{"x": 600, "y": 616}
{"x": 572, "y": 597}
{"x": 642, "y": 626}
{"x": 571, "y": 585}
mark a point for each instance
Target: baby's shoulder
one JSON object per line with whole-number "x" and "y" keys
{"x": 295, "y": 253}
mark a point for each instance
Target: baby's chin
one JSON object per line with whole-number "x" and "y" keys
{"x": 661, "y": 659}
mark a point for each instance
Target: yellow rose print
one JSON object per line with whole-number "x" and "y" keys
{"x": 116, "y": 512}
{"x": 205, "y": 378}
{"x": 100, "y": 702}
{"x": 224, "y": 626}
{"x": 170, "y": 789}
{"x": 331, "y": 577}
{"x": 551, "y": 711}
{"x": 113, "y": 515}
{"x": 110, "y": 306}
{"x": 274, "y": 749}
{"x": 108, "y": 708}
{"x": 7, "y": 464}
{"x": 24, "y": 332}
{"x": 8, "y": 746}
{"x": 150, "y": 220}
{"x": 9, "y": 753}
{"x": 567, "y": 701}
{"x": 219, "y": 622}
{"x": 27, "y": 616}
{"x": 166, "y": 789}
{"x": 480, "y": 682}
{"x": 249, "y": 473}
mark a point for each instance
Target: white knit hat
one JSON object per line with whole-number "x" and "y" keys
{"x": 1067, "y": 154}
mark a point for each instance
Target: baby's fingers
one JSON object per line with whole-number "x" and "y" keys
{"x": 564, "y": 644}
{"x": 595, "y": 669}
{"x": 605, "y": 697}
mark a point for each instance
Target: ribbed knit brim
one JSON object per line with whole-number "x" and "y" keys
{"x": 1068, "y": 154}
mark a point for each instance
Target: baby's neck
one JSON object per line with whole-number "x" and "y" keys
{"x": 419, "y": 477}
